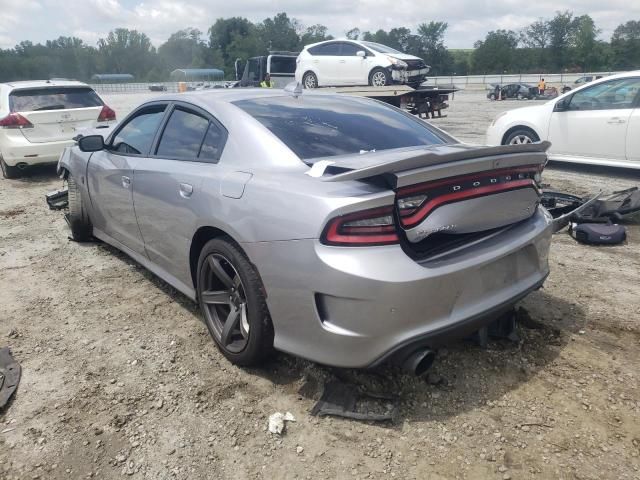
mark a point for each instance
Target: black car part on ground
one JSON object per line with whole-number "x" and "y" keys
{"x": 345, "y": 400}
{"x": 58, "y": 199}
{"x": 598, "y": 233}
{"x": 10, "y": 372}
{"x": 612, "y": 207}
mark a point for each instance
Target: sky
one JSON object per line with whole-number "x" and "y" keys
{"x": 469, "y": 20}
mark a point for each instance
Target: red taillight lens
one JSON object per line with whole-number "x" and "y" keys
{"x": 416, "y": 202}
{"x": 106, "y": 114}
{"x": 15, "y": 120}
{"x": 366, "y": 228}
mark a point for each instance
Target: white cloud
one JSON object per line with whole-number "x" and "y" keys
{"x": 469, "y": 20}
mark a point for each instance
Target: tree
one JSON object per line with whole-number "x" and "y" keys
{"x": 586, "y": 47}
{"x": 279, "y": 33}
{"x": 183, "y": 49}
{"x": 353, "y": 34}
{"x": 126, "y": 51}
{"x": 313, "y": 34}
{"x": 432, "y": 42}
{"x": 232, "y": 38}
{"x": 625, "y": 46}
{"x": 562, "y": 28}
{"x": 496, "y": 53}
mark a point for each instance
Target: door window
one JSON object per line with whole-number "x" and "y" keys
{"x": 136, "y": 135}
{"x": 349, "y": 50}
{"x": 183, "y": 135}
{"x": 614, "y": 95}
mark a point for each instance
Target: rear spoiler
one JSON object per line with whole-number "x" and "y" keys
{"x": 371, "y": 164}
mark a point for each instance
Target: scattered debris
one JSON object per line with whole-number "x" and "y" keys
{"x": 344, "y": 400}
{"x": 277, "y": 422}
{"x": 58, "y": 199}
{"x": 10, "y": 371}
{"x": 502, "y": 327}
{"x": 598, "y": 233}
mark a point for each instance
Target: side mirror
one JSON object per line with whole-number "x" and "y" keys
{"x": 91, "y": 143}
{"x": 361, "y": 53}
{"x": 562, "y": 105}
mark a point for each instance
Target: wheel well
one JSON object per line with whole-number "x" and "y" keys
{"x": 200, "y": 238}
{"x": 517, "y": 127}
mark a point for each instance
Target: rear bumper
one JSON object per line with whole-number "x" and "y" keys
{"x": 356, "y": 307}
{"x": 17, "y": 149}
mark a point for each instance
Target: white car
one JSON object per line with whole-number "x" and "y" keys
{"x": 597, "y": 123}
{"x": 39, "y": 118}
{"x": 350, "y": 62}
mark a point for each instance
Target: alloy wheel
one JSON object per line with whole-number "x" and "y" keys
{"x": 224, "y": 303}
{"x": 520, "y": 139}
{"x": 310, "y": 81}
{"x": 379, "y": 79}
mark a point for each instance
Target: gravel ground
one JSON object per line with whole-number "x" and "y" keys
{"x": 120, "y": 377}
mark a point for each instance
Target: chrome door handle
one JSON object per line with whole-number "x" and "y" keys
{"x": 126, "y": 182}
{"x": 615, "y": 120}
{"x": 343, "y": 61}
{"x": 186, "y": 190}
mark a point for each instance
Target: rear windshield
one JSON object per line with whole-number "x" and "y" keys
{"x": 283, "y": 65}
{"x": 325, "y": 126}
{"x": 52, "y": 98}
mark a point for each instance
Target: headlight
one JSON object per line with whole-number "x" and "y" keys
{"x": 498, "y": 117}
{"x": 397, "y": 63}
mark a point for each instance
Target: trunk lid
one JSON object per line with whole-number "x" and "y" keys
{"x": 449, "y": 195}
{"x": 58, "y": 125}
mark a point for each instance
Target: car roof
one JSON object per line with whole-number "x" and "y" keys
{"x": 333, "y": 40}
{"x": 44, "y": 84}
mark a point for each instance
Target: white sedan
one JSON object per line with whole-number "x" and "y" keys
{"x": 598, "y": 123}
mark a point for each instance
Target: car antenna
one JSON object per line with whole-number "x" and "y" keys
{"x": 294, "y": 88}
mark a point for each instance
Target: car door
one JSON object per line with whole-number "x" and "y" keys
{"x": 326, "y": 61}
{"x": 110, "y": 175}
{"x": 593, "y": 122}
{"x": 167, "y": 186}
{"x": 352, "y": 67}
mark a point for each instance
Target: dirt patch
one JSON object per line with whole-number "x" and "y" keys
{"x": 12, "y": 212}
{"x": 120, "y": 377}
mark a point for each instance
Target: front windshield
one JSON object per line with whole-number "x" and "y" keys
{"x": 377, "y": 47}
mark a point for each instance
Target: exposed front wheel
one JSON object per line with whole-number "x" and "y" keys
{"x": 310, "y": 80}
{"x": 78, "y": 217}
{"x": 232, "y": 300}
{"x": 8, "y": 171}
{"x": 379, "y": 77}
{"x": 521, "y": 136}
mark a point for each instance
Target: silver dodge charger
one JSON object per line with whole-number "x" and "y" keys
{"x": 335, "y": 228}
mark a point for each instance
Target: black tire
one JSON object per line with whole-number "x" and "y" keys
{"x": 519, "y": 135}
{"x": 379, "y": 73}
{"x": 492, "y": 96}
{"x": 257, "y": 344}
{"x": 78, "y": 217}
{"x": 8, "y": 171}
{"x": 310, "y": 80}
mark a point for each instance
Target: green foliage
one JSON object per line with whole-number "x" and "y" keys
{"x": 561, "y": 43}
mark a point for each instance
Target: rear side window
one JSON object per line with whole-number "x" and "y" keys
{"x": 213, "y": 143}
{"x": 316, "y": 126}
{"x": 53, "y": 98}
{"x": 183, "y": 135}
{"x": 136, "y": 135}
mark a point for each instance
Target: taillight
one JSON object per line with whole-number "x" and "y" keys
{"x": 106, "y": 114}
{"x": 416, "y": 202}
{"x": 15, "y": 120}
{"x": 365, "y": 228}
